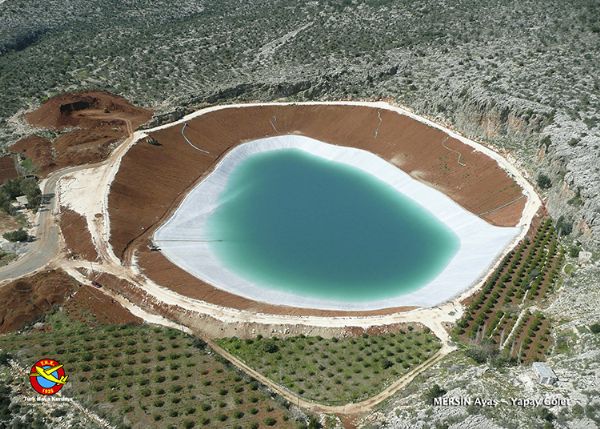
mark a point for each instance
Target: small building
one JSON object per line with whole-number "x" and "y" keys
{"x": 544, "y": 373}
{"x": 22, "y": 201}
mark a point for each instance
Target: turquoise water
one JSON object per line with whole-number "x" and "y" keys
{"x": 295, "y": 222}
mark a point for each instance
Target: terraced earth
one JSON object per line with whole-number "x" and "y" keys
{"x": 504, "y": 313}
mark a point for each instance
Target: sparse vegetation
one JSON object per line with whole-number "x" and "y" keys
{"x": 336, "y": 371}
{"x": 90, "y": 353}
{"x": 6, "y": 257}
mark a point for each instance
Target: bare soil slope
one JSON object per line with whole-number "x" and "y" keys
{"x": 39, "y": 150}
{"x": 89, "y": 301}
{"x": 77, "y": 236}
{"x": 7, "y": 169}
{"x": 153, "y": 179}
{"x": 26, "y": 300}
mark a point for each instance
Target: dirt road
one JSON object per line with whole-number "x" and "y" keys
{"x": 47, "y": 239}
{"x": 47, "y": 244}
{"x": 348, "y": 409}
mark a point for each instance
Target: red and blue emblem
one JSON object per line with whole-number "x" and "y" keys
{"x": 47, "y": 376}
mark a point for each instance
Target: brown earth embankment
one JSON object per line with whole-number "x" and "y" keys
{"x": 28, "y": 299}
{"x": 90, "y": 305}
{"x": 167, "y": 274}
{"x": 208, "y": 326}
{"x": 89, "y": 124}
{"x": 77, "y": 235}
{"x": 85, "y": 110}
{"x": 39, "y": 150}
{"x": 153, "y": 179}
{"x": 8, "y": 169}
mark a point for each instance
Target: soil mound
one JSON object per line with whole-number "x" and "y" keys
{"x": 85, "y": 110}
{"x": 26, "y": 300}
{"x": 101, "y": 121}
{"x": 39, "y": 150}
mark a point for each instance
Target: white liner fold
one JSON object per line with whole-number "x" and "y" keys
{"x": 480, "y": 243}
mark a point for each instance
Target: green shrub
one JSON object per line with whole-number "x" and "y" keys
{"x": 544, "y": 181}
{"x": 574, "y": 251}
{"x": 271, "y": 347}
{"x": 313, "y": 423}
{"x": 564, "y": 226}
{"x": 595, "y": 328}
{"x": 387, "y": 364}
{"x": 546, "y": 141}
{"x": 433, "y": 392}
{"x": 19, "y": 235}
{"x": 270, "y": 421}
{"x": 4, "y": 358}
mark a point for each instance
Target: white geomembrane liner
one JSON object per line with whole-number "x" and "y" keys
{"x": 180, "y": 237}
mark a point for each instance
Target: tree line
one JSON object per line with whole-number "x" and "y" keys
{"x": 15, "y": 188}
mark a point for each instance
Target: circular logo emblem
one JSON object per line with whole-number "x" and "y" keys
{"x": 47, "y": 376}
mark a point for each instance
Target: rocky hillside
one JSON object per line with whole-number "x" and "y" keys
{"x": 572, "y": 403}
{"x": 521, "y": 75}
